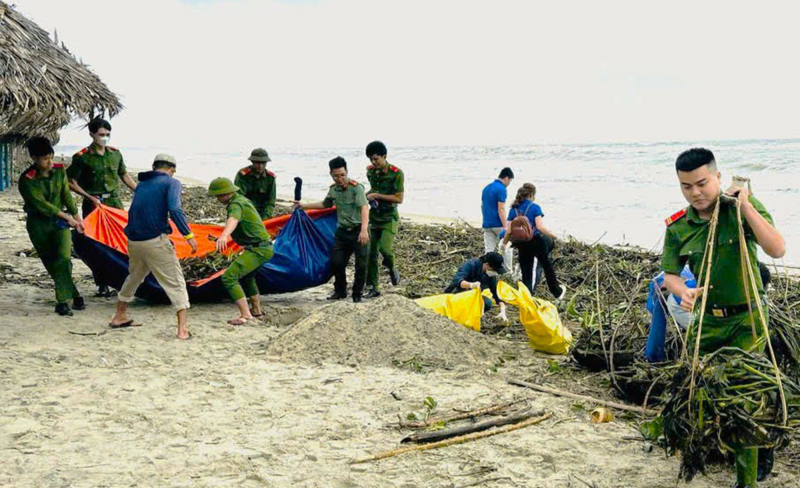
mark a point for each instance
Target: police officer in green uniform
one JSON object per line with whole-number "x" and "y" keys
{"x": 245, "y": 228}
{"x": 51, "y": 212}
{"x": 258, "y": 184}
{"x": 727, "y": 317}
{"x": 352, "y": 236}
{"x": 95, "y": 173}
{"x": 385, "y": 194}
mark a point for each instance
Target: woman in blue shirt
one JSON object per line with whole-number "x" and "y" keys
{"x": 539, "y": 247}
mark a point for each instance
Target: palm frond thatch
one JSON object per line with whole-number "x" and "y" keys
{"x": 42, "y": 86}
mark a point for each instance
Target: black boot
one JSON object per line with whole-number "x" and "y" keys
{"x": 78, "y": 303}
{"x": 357, "y": 299}
{"x": 63, "y": 309}
{"x": 394, "y": 275}
{"x": 102, "y": 291}
{"x": 337, "y": 296}
{"x": 372, "y": 293}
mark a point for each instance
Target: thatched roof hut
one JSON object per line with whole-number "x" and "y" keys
{"x": 42, "y": 86}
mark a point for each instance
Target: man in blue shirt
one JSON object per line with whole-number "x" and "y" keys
{"x": 157, "y": 197}
{"x": 493, "y": 208}
{"x": 480, "y": 273}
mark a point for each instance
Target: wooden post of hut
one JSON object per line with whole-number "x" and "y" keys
{"x": 6, "y": 163}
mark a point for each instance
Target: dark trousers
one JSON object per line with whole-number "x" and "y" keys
{"x": 540, "y": 248}
{"x": 345, "y": 244}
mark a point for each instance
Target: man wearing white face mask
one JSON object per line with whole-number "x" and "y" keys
{"x": 95, "y": 173}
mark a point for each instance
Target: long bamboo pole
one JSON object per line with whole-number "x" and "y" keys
{"x": 566, "y": 394}
{"x": 450, "y": 442}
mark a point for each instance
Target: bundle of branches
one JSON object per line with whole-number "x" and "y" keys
{"x": 594, "y": 350}
{"x": 611, "y": 290}
{"x": 195, "y": 269}
{"x": 429, "y": 255}
{"x": 199, "y": 207}
{"x": 784, "y": 322}
{"x": 579, "y": 265}
{"x": 644, "y": 383}
{"x": 734, "y": 402}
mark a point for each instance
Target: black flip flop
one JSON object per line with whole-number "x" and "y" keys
{"x": 129, "y": 323}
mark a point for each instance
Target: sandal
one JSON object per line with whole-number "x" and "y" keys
{"x": 129, "y": 323}
{"x": 238, "y": 321}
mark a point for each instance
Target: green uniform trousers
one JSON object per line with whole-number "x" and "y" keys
{"x": 54, "y": 246}
{"x": 240, "y": 277}
{"x": 734, "y": 331}
{"x": 381, "y": 242}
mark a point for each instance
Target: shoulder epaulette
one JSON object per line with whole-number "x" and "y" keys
{"x": 353, "y": 183}
{"x": 271, "y": 173}
{"x": 370, "y": 167}
{"x": 245, "y": 171}
{"x": 393, "y": 169}
{"x": 675, "y": 217}
{"x": 332, "y": 185}
{"x": 58, "y": 165}
{"x": 82, "y": 151}
{"x": 30, "y": 173}
{"x": 112, "y": 148}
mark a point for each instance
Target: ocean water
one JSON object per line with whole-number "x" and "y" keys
{"x": 612, "y": 193}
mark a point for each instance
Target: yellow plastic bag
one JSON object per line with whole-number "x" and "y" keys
{"x": 465, "y": 308}
{"x": 539, "y": 317}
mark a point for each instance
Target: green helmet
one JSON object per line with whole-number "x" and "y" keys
{"x": 259, "y": 155}
{"x": 221, "y": 186}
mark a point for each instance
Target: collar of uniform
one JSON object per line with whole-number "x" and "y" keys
{"x": 253, "y": 172}
{"x": 341, "y": 188}
{"x": 694, "y": 217}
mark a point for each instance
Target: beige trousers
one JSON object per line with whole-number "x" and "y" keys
{"x": 155, "y": 256}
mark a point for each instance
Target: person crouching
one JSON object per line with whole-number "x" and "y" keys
{"x": 245, "y": 228}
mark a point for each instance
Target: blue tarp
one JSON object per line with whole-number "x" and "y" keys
{"x": 301, "y": 261}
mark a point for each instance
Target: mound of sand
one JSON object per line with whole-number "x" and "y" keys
{"x": 388, "y": 331}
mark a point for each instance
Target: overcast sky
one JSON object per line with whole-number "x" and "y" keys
{"x": 217, "y": 74}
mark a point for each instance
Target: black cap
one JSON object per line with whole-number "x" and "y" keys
{"x": 495, "y": 261}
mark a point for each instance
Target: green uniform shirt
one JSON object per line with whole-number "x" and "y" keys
{"x": 45, "y": 196}
{"x": 251, "y": 231}
{"x": 96, "y": 174}
{"x": 261, "y": 190}
{"x": 685, "y": 242}
{"x": 389, "y": 182}
{"x": 348, "y": 201}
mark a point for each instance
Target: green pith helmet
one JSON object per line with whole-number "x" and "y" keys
{"x": 221, "y": 186}
{"x": 259, "y": 155}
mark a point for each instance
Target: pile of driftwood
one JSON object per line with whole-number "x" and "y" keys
{"x": 448, "y": 430}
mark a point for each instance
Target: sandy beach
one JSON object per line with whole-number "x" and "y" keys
{"x": 84, "y": 405}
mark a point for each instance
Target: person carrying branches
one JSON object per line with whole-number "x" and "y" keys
{"x": 732, "y": 316}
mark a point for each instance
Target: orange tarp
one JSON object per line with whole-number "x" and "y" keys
{"x": 107, "y": 224}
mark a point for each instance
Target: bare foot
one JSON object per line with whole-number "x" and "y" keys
{"x": 184, "y": 335}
